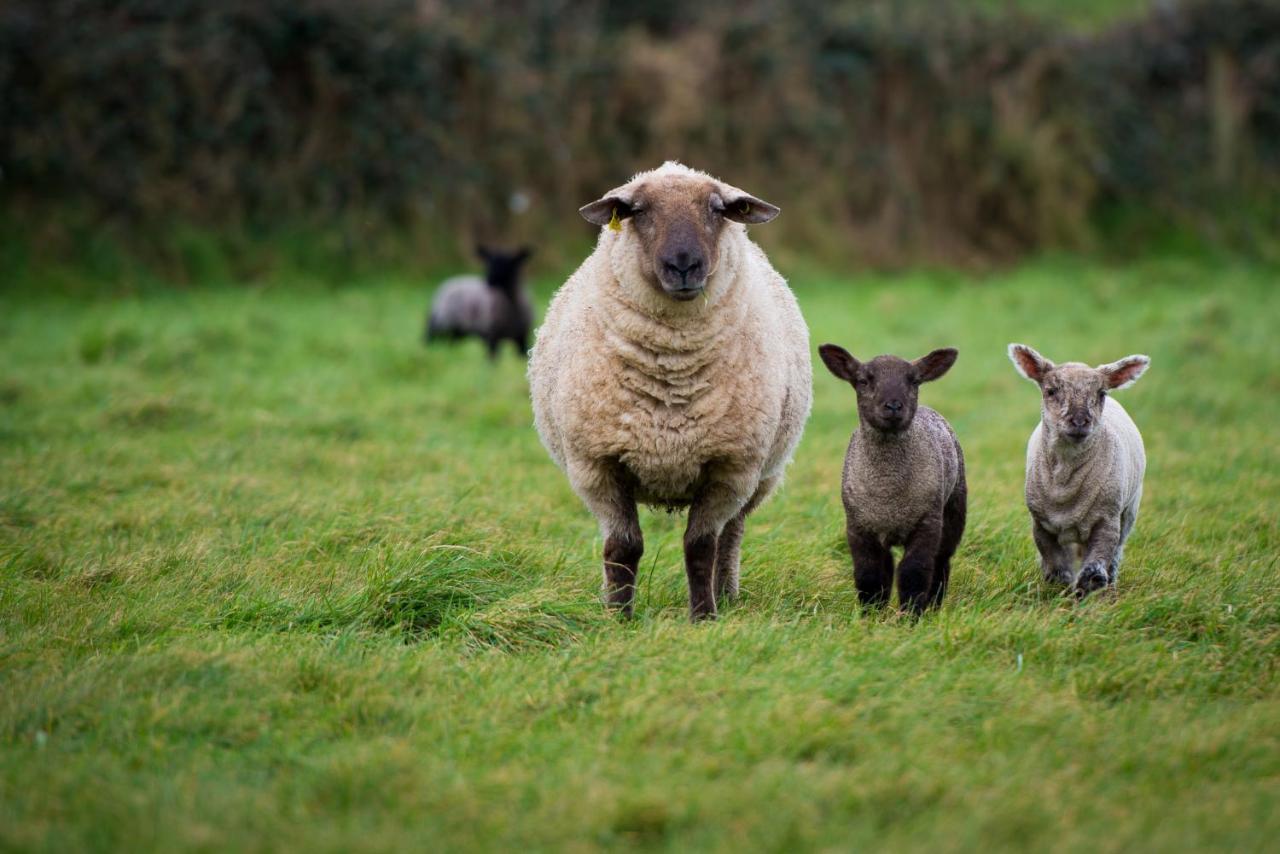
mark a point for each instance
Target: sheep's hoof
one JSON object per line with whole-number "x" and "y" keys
{"x": 1056, "y": 575}
{"x": 1093, "y": 576}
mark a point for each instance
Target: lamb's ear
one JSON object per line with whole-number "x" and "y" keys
{"x": 602, "y": 210}
{"x": 483, "y": 253}
{"x": 742, "y": 207}
{"x": 1029, "y": 363}
{"x": 523, "y": 254}
{"x": 1125, "y": 372}
{"x": 839, "y": 361}
{"x": 935, "y": 364}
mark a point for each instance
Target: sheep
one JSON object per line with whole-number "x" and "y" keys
{"x": 903, "y": 482}
{"x": 1085, "y": 463}
{"x": 673, "y": 370}
{"x": 494, "y": 309}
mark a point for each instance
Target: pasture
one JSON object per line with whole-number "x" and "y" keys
{"x": 273, "y": 575}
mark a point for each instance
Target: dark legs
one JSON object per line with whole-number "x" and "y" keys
{"x": 953, "y": 517}
{"x": 872, "y": 568}
{"x": 916, "y": 569}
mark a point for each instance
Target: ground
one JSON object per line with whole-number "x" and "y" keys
{"x": 273, "y": 575}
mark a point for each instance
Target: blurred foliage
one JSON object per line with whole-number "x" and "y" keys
{"x": 929, "y": 131}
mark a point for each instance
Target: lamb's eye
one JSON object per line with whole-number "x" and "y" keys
{"x": 1051, "y": 392}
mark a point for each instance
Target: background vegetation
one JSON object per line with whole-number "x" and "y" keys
{"x": 889, "y": 132}
{"x": 273, "y": 576}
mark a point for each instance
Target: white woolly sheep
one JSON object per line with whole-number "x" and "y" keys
{"x": 1085, "y": 463}
{"x": 495, "y": 308}
{"x": 673, "y": 369}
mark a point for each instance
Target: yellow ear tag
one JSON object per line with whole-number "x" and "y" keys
{"x": 614, "y": 225}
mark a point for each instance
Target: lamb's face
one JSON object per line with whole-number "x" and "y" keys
{"x": 888, "y": 387}
{"x": 678, "y": 217}
{"x": 1072, "y": 395}
{"x": 1071, "y": 401}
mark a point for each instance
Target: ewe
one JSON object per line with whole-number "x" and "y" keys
{"x": 673, "y": 369}
{"x": 1085, "y": 463}
{"x": 903, "y": 482}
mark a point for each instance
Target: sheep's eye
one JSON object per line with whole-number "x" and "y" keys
{"x": 1050, "y": 392}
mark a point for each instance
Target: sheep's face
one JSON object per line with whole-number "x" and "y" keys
{"x": 888, "y": 387}
{"x": 502, "y": 269}
{"x": 678, "y": 220}
{"x": 1072, "y": 395}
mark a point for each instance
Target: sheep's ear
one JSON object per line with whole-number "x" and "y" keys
{"x": 1029, "y": 363}
{"x": 1125, "y": 372}
{"x": 741, "y": 207}
{"x": 935, "y": 364}
{"x": 602, "y": 210}
{"x": 839, "y": 361}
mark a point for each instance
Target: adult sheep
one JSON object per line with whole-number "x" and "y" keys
{"x": 673, "y": 369}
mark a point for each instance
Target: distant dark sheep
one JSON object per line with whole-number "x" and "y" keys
{"x": 495, "y": 308}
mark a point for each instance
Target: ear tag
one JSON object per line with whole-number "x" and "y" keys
{"x": 614, "y": 225}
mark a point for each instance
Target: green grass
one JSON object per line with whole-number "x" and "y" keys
{"x": 272, "y": 575}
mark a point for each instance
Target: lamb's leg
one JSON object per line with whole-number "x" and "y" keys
{"x": 611, "y": 502}
{"x": 1099, "y": 554}
{"x": 522, "y": 344}
{"x": 718, "y": 502}
{"x": 1128, "y": 517}
{"x": 729, "y": 546}
{"x": 916, "y": 569}
{"x": 492, "y": 344}
{"x": 953, "y": 516}
{"x": 872, "y": 567}
{"x": 1057, "y": 564}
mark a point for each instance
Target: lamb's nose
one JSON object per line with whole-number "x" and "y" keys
{"x": 893, "y": 405}
{"x": 1079, "y": 421}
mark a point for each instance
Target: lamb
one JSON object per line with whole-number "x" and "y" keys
{"x": 673, "y": 369}
{"x": 903, "y": 482}
{"x": 494, "y": 309}
{"x": 1085, "y": 463}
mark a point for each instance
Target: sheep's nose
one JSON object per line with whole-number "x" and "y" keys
{"x": 894, "y": 406}
{"x": 682, "y": 265}
{"x": 1080, "y": 421}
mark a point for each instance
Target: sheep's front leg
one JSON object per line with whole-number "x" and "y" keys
{"x": 915, "y": 571}
{"x": 1056, "y": 561}
{"x": 713, "y": 508}
{"x": 604, "y": 491}
{"x": 1099, "y": 555}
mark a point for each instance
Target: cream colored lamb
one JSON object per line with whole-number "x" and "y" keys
{"x": 673, "y": 369}
{"x": 1085, "y": 463}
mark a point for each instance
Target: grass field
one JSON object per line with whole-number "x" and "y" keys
{"x": 272, "y": 575}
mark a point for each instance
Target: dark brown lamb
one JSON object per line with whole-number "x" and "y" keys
{"x": 903, "y": 482}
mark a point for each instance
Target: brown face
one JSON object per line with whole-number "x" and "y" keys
{"x": 1072, "y": 396}
{"x": 678, "y": 221}
{"x": 888, "y": 387}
